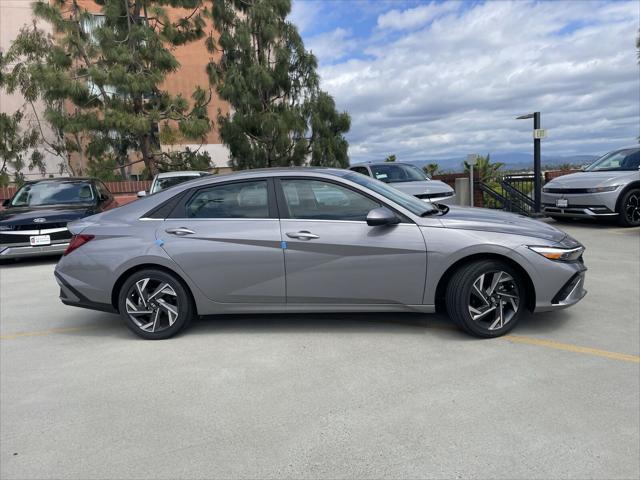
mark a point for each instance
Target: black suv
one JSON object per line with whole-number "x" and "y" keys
{"x": 34, "y": 221}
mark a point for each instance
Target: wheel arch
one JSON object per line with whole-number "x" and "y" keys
{"x": 115, "y": 292}
{"x": 629, "y": 186}
{"x": 446, "y": 276}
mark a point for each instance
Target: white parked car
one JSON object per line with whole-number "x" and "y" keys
{"x": 410, "y": 179}
{"x": 164, "y": 180}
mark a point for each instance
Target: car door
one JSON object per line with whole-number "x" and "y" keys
{"x": 226, "y": 237}
{"x": 333, "y": 257}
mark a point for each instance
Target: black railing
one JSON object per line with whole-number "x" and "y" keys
{"x": 513, "y": 193}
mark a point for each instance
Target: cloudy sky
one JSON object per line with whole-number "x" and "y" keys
{"x": 432, "y": 80}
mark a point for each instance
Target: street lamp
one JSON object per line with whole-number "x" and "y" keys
{"x": 538, "y": 134}
{"x": 472, "y": 159}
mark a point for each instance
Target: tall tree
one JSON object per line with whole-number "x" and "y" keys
{"x": 431, "y": 169}
{"x": 18, "y": 148}
{"x": 390, "y": 158}
{"x": 485, "y": 169}
{"x": 280, "y": 115}
{"x": 108, "y": 70}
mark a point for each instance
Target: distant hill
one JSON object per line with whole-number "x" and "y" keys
{"x": 512, "y": 161}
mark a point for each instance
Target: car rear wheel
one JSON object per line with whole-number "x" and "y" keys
{"x": 155, "y": 304}
{"x": 486, "y": 298}
{"x": 629, "y": 214}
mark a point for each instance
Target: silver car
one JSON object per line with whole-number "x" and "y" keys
{"x": 609, "y": 187}
{"x": 165, "y": 180}
{"x": 313, "y": 240}
{"x": 410, "y": 179}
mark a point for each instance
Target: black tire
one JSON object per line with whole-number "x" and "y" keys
{"x": 166, "y": 303}
{"x": 629, "y": 209}
{"x": 459, "y": 298}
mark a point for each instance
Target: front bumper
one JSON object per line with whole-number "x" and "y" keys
{"x": 582, "y": 205}
{"x": 26, "y": 250}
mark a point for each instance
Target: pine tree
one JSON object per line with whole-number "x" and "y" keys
{"x": 108, "y": 70}
{"x": 18, "y": 148}
{"x": 280, "y": 115}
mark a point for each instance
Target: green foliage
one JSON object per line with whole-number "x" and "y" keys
{"x": 185, "y": 160}
{"x": 18, "y": 148}
{"x": 431, "y": 169}
{"x": 390, "y": 158}
{"x": 108, "y": 70}
{"x": 486, "y": 170}
{"x": 280, "y": 117}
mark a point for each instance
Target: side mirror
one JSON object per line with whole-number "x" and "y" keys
{"x": 6, "y": 202}
{"x": 141, "y": 194}
{"x": 382, "y": 216}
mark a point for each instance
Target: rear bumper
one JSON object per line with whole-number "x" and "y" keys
{"x": 71, "y": 296}
{"x": 19, "y": 251}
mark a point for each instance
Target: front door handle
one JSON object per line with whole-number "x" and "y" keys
{"x": 180, "y": 231}
{"x": 302, "y": 235}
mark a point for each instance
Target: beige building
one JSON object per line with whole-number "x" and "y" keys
{"x": 192, "y": 58}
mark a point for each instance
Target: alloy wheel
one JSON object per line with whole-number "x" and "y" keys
{"x": 632, "y": 208}
{"x": 494, "y": 300}
{"x": 152, "y": 305}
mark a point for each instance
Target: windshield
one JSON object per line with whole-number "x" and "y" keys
{"x": 398, "y": 173}
{"x": 166, "y": 182}
{"x": 620, "y": 160}
{"x": 53, "y": 193}
{"x": 411, "y": 203}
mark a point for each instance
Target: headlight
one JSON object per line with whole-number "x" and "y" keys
{"x": 5, "y": 227}
{"x": 603, "y": 189}
{"x": 558, "y": 253}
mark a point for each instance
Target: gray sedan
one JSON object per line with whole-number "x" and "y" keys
{"x": 313, "y": 240}
{"x": 609, "y": 187}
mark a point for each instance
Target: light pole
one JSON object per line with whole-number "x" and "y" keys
{"x": 472, "y": 159}
{"x": 538, "y": 135}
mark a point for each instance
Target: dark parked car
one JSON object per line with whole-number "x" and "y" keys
{"x": 34, "y": 221}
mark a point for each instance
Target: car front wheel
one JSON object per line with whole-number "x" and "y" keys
{"x": 629, "y": 214}
{"x": 486, "y": 298}
{"x": 155, "y": 304}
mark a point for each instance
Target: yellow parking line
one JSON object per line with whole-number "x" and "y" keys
{"x": 13, "y": 336}
{"x": 540, "y": 342}
{"x": 568, "y": 347}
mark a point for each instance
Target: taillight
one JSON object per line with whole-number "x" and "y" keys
{"x": 77, "y": 241}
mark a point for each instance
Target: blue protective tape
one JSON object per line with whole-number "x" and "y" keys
{"x": 283, "y": 245}
{"x": 159, "y": 242}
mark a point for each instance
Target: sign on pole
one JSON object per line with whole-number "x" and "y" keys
{"x": 539, "y": 133}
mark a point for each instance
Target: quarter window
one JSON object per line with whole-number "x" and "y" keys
{"x": 232, "y": 200}
{"x": 318, "y": 200}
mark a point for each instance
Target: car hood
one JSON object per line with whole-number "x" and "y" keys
{"x": 420, "y": 187}
{"x": 487, "y": 220}
{"x": 588, "y": 179}
{"x": 51, "y": 214}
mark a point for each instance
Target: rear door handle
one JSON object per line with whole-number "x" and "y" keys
{"x": 180, "y": 231}
{"x": 302, "y": 235}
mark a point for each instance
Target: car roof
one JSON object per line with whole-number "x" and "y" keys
{"x": 62, "y": 180}
{"x": 378, "y": 164}
{"x": 182, "y": 173}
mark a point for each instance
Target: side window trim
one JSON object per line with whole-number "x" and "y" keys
{"x": 284, "y": 209}
{"x": 179, "y": 211}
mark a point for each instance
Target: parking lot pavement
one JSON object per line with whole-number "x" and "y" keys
{"x": 325, "y": 396}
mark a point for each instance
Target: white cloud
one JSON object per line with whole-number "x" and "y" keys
{"x": 415, "y": 17}
{"x": 331, "y": 46}
{"x": 455, "y": 86}
{"x": 304, "y": 14}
